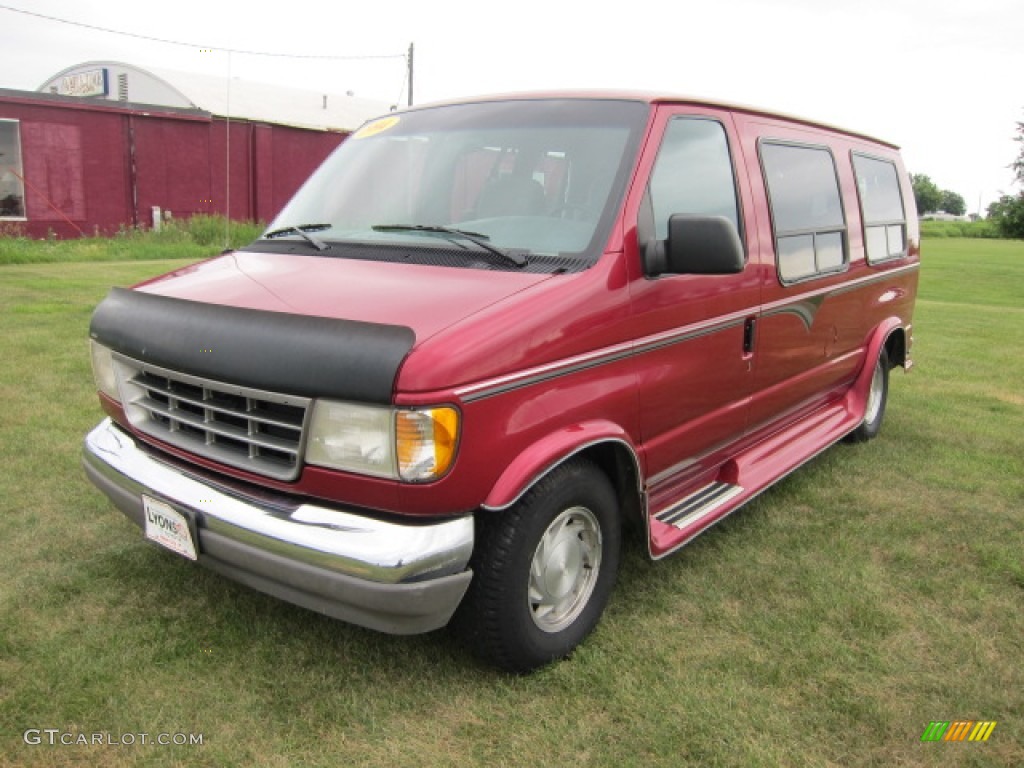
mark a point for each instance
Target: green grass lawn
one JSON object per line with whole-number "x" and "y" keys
{"x": 877, "y": 589}
{"x": 194, "y": 238}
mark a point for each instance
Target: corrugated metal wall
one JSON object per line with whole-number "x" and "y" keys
{"x": 88, "y": 167}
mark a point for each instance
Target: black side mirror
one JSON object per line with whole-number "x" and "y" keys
{"x": 696, "y": 245}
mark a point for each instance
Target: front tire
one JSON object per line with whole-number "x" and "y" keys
{"x": 543, "y": 570}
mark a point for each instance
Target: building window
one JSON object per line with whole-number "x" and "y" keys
{"x": 881, "y": 205}
{"x": 807, "y": 212}
{"x": 12, "y": 188}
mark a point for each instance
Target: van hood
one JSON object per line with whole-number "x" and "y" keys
{"x": 301, "y": 325}
{"x": 425, "y": 299}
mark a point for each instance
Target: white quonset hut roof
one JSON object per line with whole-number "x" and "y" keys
{"x": 234, "y": 98}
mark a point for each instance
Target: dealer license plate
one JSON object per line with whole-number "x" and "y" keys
{"x": 168, "y": 528}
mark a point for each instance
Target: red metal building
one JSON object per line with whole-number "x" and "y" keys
{"x": 97, "y": 162}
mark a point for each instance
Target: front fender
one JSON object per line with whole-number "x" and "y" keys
{"x": 547, "y": 453}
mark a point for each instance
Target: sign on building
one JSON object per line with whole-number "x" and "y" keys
{"x": 91, "y": 83}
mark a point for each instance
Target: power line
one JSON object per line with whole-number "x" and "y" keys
{"x": 239, "y": 51}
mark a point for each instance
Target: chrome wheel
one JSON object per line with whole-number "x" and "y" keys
{"x": 876, "y": 395}
{"x": 874, "y": 407}
{"x": 564, "y": 569}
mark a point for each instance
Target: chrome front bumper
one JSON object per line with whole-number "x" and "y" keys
{"x": 392, "y": 577}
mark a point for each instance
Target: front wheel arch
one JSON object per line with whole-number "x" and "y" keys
{"x": 604, "y": 445}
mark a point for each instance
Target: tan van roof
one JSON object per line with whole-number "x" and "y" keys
{"x": 656, "y": 97}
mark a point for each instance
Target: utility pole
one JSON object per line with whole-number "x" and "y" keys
{"x": 410, "y": 72}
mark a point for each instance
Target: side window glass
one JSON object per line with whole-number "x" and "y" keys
{"x": 693, "y": 173}
{"x": 807, "y": 212}
{"x": 881, "y": 204}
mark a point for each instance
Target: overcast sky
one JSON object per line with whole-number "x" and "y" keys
{"x": 943, "y": 79}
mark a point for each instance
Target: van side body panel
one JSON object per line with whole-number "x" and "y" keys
{"x": 814, "y": 349}
{"x": 812, "y": 333}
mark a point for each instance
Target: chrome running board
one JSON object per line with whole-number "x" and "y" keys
{"x": 699, "y": 504}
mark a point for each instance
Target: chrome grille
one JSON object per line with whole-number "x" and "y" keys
{"x": 261, "y": 432}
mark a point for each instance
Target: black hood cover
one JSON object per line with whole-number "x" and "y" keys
{"x": 274, "y": 351}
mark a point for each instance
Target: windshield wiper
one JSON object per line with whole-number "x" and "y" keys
{"x": 516, "y": 257}
{"x": 302, "y": 230}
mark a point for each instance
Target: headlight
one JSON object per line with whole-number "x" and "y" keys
{"x": 103, "y": 371}
{"x": 410, "y": 445}
{"x": 354, "y": 438}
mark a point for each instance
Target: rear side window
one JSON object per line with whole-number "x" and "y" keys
{"x": 807, "y": 212}
{"x": 881, "y": 205}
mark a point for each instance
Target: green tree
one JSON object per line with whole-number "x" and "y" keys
{"x": 1008, "y": 210}
{"x": 1018, "y": 164}
{"x": 926, "y": 194}
{"x": 953, "y": 203}
{"x": 1008, "y": 214}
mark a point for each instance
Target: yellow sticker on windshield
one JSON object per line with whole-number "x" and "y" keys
{"x": 377, "y": 126}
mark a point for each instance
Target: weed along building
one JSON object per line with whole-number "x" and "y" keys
{"x": 105, "y": 145}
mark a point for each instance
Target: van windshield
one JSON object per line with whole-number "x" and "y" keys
{"x": 541, "y": 177}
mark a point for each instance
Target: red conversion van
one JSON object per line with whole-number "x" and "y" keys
{"x": 486, "y": 335}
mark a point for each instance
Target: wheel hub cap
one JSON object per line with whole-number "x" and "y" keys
{"x": 564, "y": 569}
{"x": 875, "y": 394}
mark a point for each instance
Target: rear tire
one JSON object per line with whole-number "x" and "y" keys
{"x": 878, "y": 395}
{"x": 543, "y": 570}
